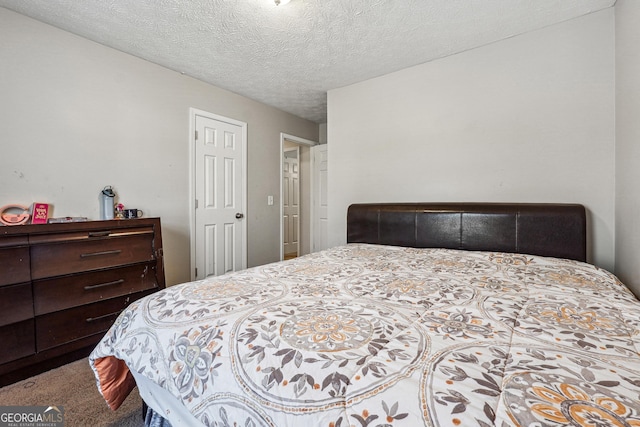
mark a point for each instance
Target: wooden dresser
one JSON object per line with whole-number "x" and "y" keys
{"x": 63, "y": 285}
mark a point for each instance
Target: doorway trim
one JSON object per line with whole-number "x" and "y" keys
{"x": 318, "y": 185}
{"x": 193, "y": 112}
{"x": 300, "y": 141}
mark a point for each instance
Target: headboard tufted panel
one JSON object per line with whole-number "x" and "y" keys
{"x": 557, "y": 230}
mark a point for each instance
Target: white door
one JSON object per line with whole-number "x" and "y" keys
{"x": 291, "y": 201}
{"x": 320, "y": 197}
{"x": 219, "y": 234}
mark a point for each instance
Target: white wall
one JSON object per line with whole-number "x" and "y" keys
{"x": 76, "y": 116}
{"x": 627, "y": 14}
{"x": 527, "y": 119}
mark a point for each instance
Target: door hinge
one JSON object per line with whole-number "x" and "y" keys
{"x": 196, "y": 135}
{"x": 196, "y": 272}
{"x": 196, "y": 203}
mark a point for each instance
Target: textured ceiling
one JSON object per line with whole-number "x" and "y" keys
{"x": 289, "y": 56}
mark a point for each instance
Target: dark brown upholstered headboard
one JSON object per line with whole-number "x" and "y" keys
{"x": 557, "y": 230}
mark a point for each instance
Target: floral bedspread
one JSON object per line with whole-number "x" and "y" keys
{"x": 365, "y": 335}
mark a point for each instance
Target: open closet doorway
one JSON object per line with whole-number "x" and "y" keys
{"x": 291, "y": 202}
{"x": 295, "y": 196}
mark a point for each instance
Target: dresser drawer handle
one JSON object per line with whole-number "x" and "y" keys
{"x": 95, "y": 319}
{"x": 102, "y": 285}
{"x": 114, "y": 252}
{"x": 99, "y": 233}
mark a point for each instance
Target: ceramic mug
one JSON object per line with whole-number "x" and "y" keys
{"x": 132, "y": 213}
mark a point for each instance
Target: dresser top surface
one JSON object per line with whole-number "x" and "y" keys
{"x": 113, "y": 224}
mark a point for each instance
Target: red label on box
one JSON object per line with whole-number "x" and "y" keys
{"x": 40, "y": 213}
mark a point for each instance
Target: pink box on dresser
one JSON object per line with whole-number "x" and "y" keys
{"x": 39, "y": 213}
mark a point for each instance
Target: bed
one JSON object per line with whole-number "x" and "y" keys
{"x": 457, "y": 314}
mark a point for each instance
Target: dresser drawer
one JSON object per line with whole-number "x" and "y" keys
{"x": 16, "y": 304}
{"x": 74, "y": 256}
{"x": 71, "y": 291}
{"x": 14, "y": 264}
{"x": 64, "y": 326}
{"x": 17, "y": 341}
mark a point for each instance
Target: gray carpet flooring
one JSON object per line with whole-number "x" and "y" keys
{"x": 73, "y": 387}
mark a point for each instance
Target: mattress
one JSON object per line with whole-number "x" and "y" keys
{"x": 370, "y": 335}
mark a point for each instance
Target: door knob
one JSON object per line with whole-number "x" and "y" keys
{"x": 239, "y": 215}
